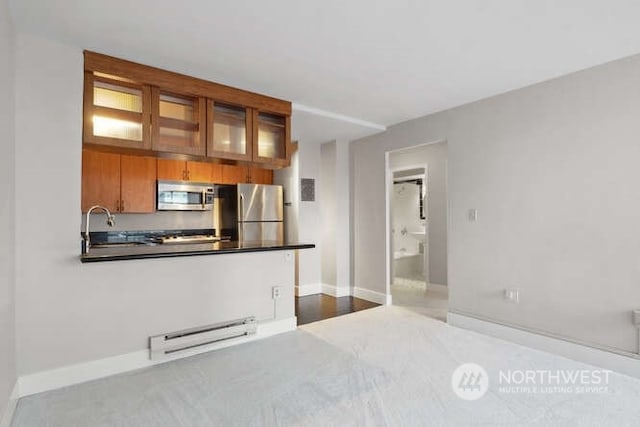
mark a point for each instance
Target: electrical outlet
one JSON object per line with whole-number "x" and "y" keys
{"x": 276, "y": 291}
{"x": 512, "y": 295}
{"x": 472, "y": 215}
{"x": 636, "y": 317}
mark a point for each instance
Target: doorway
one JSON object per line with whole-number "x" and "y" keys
{"x": 417, "y": 228}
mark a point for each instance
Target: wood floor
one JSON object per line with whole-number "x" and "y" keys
{"x": 312, "y": 308}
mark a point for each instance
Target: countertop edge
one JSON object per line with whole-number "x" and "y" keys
{"x": 89, "y": 258}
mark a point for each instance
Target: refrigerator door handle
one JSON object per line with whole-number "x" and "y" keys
{"x": 241, "y": 217}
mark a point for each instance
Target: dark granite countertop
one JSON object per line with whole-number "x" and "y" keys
{"x": 144, "y": 251}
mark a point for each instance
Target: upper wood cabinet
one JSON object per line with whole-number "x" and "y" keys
{"x": 100, "y": 180}
{"x": 137, "y": 184}
{"x": 199, "y": 171}
{"x": 116, "y": 112}
{"x": 234, "y": 174}
{"x": 260, "y": 175}
{"x": 247, "y": 134}
{"x": 121, "y": 183}
{"x": 239, "y": 174}
{"x": 178, "y": 123}
{"x": 272, "y": 138}
{"x": 229, "y": 131}
{"x": 181, "y": 170}
{"x": 136, "y": 106}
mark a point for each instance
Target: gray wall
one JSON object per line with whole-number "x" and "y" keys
{"x": 435, "y": 157}
{"x": 553, "y": 171}
{"x": 7, "y": 212}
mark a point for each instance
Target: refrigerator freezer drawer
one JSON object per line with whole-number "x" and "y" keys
{"x": 261, "y": 231}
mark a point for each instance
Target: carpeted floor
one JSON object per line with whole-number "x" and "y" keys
{"x": 382, "y": 366}
{"x": 430, "y": 300}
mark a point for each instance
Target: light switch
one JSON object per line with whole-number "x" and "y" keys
{"x": 473, "y": 215}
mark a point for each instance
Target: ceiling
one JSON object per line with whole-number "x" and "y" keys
{"x": 365, "y": 64}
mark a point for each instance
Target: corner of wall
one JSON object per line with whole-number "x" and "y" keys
{"x": 8, "y": 369}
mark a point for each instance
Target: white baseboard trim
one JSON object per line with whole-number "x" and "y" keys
{"x": 95, "y": 369}
{"x": 267, "y": 329}
{"x": 342, "y": 291}
{"x": 309, "y": 289}
{"x": 336, "y": 291}
{"x": 373, "y": 296}
{"x": 626, "y": 364}
{"x": 7, "y": 416}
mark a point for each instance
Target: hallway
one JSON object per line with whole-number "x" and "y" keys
{"x": 411, "y": 294}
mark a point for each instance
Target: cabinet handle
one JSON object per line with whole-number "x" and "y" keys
{"x": 121, "y": 205}
{"x": 117, "y": 205}
{"x": 188, "y": 175}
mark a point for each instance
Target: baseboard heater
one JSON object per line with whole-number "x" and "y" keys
{"x": 165, "y": 345}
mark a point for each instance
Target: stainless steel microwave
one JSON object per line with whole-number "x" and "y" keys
{"x": 185, "y": 196}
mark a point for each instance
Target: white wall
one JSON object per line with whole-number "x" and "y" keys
{"x": 69, "y": 312}
{"x": 435, "y": 156}
{"x": 325, "y": 221}
{"x": 327, "y": 187}
{"x": 343, "y": 216}
{"x": 553, "y": 171}
{"x": 7, "y": 212}
{"x": 336, "y": 222}
{"x": 309, "y": 219}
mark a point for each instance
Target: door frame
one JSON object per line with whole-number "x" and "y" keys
{"x": 388, "y": 196}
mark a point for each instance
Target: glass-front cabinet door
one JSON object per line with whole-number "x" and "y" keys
{"x": 178, "y": 123}
{"x": 271, "y": 143}
{"x": 117, "y": 112}
{"x": 229, "y": 131}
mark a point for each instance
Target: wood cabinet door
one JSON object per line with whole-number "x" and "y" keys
{"x": 178, "y": 123}
{"x": 175, "y": 170}
{"x": 232, "y": 174}
{"x": 271, "y": 139}
{"x": 199, "y": 171}
{"x": 116, "y": 113}
{"x": 216, "y": 173}
{"x": 100, "y": 180}
{"x": 229, "y": 131}
{"x": 261, "y": 176}
{"x": 137, "y": 184}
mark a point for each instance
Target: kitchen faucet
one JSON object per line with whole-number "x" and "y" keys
{"x": 110, "y": 222}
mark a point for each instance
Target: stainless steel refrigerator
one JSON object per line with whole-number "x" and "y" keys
{"x": 252, "y": 212}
